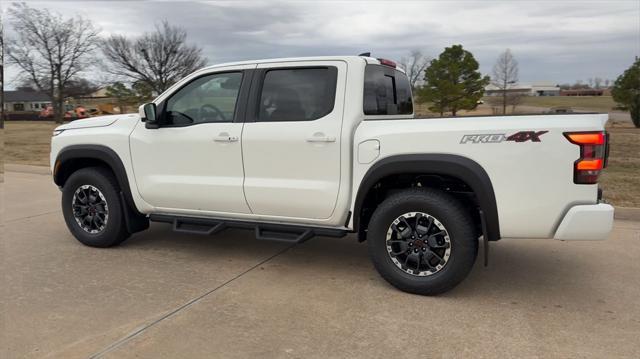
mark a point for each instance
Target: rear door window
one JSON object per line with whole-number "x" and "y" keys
{"x": 386, "y": 91}
{"x": 298, "y": 94}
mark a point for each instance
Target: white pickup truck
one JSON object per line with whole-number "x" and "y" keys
{"x": 293, "y": 148}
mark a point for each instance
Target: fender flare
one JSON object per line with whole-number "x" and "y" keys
{"x": 94, "y": 152}
{"x": 460, "y": 167}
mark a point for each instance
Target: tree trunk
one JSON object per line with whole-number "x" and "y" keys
{"x": 504, "y": 104}
{"x": 504, "y": 101}
{"x": 58, "y": 107}
{"x": 62, "y": 110}
{"x": 54, "y": 105}
{"x": 634, "y": 110}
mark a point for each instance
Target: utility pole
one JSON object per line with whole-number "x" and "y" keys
{"x": 1, "y": 87}
{"x": 1, "y": 76}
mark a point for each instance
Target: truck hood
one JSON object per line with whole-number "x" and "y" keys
{"x": 101, "y": 121}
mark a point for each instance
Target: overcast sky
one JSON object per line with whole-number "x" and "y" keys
{"x": 559, "y": 41}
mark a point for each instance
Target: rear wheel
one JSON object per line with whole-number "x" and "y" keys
{"x": 92, "y": 208}
{"x": 422, "y": 241}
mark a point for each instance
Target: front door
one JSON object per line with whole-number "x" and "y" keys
{"x": 291, "y": 144}
{"x": 193, "y": 161}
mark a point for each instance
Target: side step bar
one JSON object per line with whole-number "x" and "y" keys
{"x": 287, "y": 233}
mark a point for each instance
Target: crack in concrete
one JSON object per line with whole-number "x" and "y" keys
{"x": 29, "y": 217}
{"x": 179, "y": 309}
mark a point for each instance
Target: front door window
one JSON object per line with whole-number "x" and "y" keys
{"x": 207, "y": 99}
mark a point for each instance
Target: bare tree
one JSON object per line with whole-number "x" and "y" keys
{"x": 157, "y": 59}
{"x": 76, "y": 87}
{"x": 597, "y": 82}
{"x": 579, "y": 85}
{"x": 414, "y": 65}
{"x": 50, "y": 50}
{"x": 505, "y": 73}
{"x": 514, "y": 100}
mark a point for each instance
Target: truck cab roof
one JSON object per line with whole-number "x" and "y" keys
{"x": 350, "y": 59}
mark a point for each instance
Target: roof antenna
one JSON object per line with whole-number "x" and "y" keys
{"x": 366, "y": 54}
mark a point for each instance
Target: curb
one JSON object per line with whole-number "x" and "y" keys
{"x": 622, "y": 213}
{"x": 40, "y": 170}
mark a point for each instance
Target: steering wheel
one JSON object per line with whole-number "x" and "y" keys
{"x": 214, "y": 109}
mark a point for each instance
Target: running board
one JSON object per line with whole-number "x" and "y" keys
{"x": 287, "y": 233}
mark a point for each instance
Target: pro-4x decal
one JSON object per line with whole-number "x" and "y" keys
{"x": 522, "y": 136}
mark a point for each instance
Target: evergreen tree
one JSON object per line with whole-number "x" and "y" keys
{"x": 626, "y": 91}
{"x": 453, "y": 82}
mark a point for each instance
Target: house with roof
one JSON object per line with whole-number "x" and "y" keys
{"x": 25, "y": 101}
{"x": 512, "y": 89}
{"x": 543, "y": 88}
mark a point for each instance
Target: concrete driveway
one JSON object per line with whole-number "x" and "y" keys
{"x": 162, "y": 294}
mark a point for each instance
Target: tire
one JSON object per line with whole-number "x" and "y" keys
{"x": 440, "y": 208}
{"x": 94, "y": 180}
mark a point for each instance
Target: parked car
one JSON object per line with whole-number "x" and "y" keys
{"x": 293, "y": 148}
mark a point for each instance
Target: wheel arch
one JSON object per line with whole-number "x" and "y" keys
{"x": 75, "y": 157}
{"x": 458, "y": 167}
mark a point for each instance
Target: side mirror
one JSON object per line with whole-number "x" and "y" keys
{"x": 148, "y": 115}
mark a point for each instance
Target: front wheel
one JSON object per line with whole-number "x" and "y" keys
{"x": 422, "y": 241}
{"x": 92, "y": 208}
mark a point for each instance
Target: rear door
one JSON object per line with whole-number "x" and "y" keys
{"x": 291, "y": 142}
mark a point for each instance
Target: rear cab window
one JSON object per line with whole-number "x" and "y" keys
{"x": 297, "y": 94}
{"x": 386, "y": 92}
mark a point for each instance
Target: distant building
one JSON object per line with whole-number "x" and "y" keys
{"x": 586, "y": 92}
{"x": 545, "y": 88}
{"x": 25, "y": 101}
{"x": 537, "y": 89}
{"x": 99, "y": 102}
{"x": 513, "y": 89}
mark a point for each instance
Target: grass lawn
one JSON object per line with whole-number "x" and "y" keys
{"x": 29, "y": 142}
{"x": 591, "y": 103}
{"x": 584, "y": 103}
{"x": 621, "y": 179}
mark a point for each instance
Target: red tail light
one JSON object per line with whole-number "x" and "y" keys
{"x": 387, "y": 63}
{"x": 593, "y": 155}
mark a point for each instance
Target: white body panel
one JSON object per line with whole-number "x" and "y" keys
{"x": 101, "y": 121}
{"x": 183, "y": 168}
{"x": 532, "y": 181}
{"x": 115, "y": 135}
{"x": 273, "y": 174}
{"x": 287, "y": 173}
{"x": 586, "y": 222}
{"x": 187, "y": 169}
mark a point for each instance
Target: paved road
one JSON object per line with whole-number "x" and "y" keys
{"x": 163, "y": 294}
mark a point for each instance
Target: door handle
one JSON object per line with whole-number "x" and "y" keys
{"x": 321, "y": 139}
{"x": 224, "y": 137}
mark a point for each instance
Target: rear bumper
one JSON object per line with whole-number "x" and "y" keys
{"x": 586, "y": 222}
